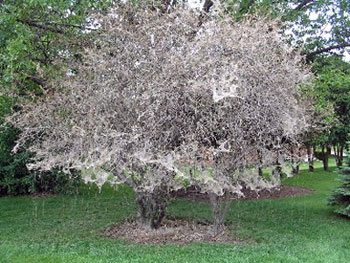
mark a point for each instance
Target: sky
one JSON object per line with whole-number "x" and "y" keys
{"x": 195, "y": 3}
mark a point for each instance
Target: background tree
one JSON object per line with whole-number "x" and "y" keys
{"x": 36, "y": 38}
{"x": 33, "y": 34}
{"x": 163, "y": 102}
{"x": 317, "y": 27}
{"x": 333, "y": 85}
{"x": 321, "y": 29}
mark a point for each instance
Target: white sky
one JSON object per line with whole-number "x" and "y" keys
{"x": 195, "y": 3}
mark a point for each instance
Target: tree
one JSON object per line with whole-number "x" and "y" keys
{"x": 163, "y": 102}
{"x": 341, "y": 195}
{"x": 333, "y": 85}
{"x": 36, "y": 38}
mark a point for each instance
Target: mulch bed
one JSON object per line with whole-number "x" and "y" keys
{"x": 34, "y": 195}
{"x": 278, "y": 192}
{"x": 177, "y": 231}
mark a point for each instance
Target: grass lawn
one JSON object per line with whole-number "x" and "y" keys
{"x": 68, "y": 228}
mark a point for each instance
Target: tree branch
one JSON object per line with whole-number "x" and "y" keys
{"x": 64, "y": 25}
{"x": 45, "y": 28}
{"x": 39, "y": 81}
{"x": 311, "y": 56}
{"x": 303, "y": 4}
{"x": 207, "y": 5}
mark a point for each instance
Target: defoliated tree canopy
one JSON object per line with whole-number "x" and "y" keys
{"x": 165, "y": 100}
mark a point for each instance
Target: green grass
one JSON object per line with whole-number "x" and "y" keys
{"x": 68, "y": 228}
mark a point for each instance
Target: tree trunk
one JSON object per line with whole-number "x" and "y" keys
{"x": 152, "y": 208}
{"x": 220, "y": 208}
{"x": 278, "y": 167}
{"x": 310, "y": 158}
{"x": 338, "y": 152}
{"x": 299, "y": 161}
{"x": 341, "y": 154}
{"x": 260, "y": 170}
{"x": 295, "y": 163}
{"x": 326, "y": 152}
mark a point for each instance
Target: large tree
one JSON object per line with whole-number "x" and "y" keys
{"x": 165, "y": 100}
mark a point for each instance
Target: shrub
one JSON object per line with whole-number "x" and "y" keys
{"x": 16, "y": 179}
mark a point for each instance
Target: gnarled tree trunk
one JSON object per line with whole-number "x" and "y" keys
{"x": 152, "y": 207}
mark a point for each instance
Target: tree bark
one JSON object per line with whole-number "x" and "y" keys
{"x": 152, "y": 208}
{"x": 220, "y": 208}
{"x": 207, "y": 5}
{"x": 278, "y": 167}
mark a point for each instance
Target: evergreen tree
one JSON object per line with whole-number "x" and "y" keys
{"x": 341, "y": 195}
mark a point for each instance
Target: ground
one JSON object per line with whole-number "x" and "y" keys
{"x": 71, "y": 228}
{"x": 172, "y": 231}
{"x": 182, "y": 231}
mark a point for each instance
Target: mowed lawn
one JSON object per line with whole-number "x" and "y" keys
{"x": 69, "y": 228}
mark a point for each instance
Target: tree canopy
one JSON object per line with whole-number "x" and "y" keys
{"x": 35, "y": 33}
{"x": 318, "y": 27}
